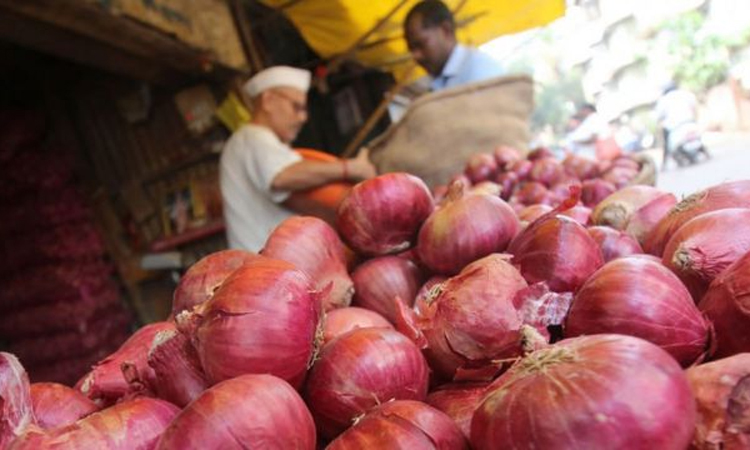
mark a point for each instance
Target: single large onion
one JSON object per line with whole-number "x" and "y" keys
{"x": 702, "y": 248}
{"x": 459, "y": 340}
{"x": 132, "y": 424}
{"x": 595, "y": 392}
{"x": 596, "y": 190}
{"x": 378, "y": 281}
{"x": 465, "y": 229}
{"x": 481, "y": 167}
{"x": 263, "y": 319}
{"x": 722, "y": 394}
{"x": 640, "y": 297}
{"x": 258, "y": 411}
{"x": 402, "y": 424}
{"x": 727, "y": 305}
{"x": 580, "y": 167}
{"x": 343, "y": 320}
{"x": 203, "y": 278}
{"x": 547, "y": 171}
{"x": 616, "y": 210}
{"x": 56, "y": 405}
{"x": 558, "y": 250}
{"x": 505, "y": 155}
{"x": 459, "y": 401}
{"x": 614, "y": 243}
{"x": 106, "y": 383}
{"x": 382, "y": 215}
{"x": 360, "y": 370}
{"x": 178, "y": 375}
{"x": 314, "y": 247}
{"x": 646, "y": 218}
{"x": 734, "y": 194}
{"x": 16, "y": 412}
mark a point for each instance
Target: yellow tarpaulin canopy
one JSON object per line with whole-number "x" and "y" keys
{"x": 336, "y": 27}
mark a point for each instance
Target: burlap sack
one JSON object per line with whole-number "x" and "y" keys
{"x": 441, "y": 130}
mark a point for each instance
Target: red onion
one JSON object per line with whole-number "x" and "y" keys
{"x": 522, "y": 167}
{"x": 343, "y": 320}
{"x": 178, "y": 375}
{"x": 481, "y": 167}
{"x": 402, "y": 424}
{"x": 132, "y": 424}
{"x": 106, "y": 383}
{"x": 614, "y": 243}
{"x": 314, "y": 247}
{"x": 734, "y": 194}
{"x": 642, "y": 298}
{"x": 596, "y": 190}
{"x": 547, "y": 171}
{"x": 604, "y": 391}
{"x": 617, "y": 209}
{"x": 465, "y": 229}
{"x": 383, "y": 214}
{"x": 540, "y": 153}
{"x": 56, "y": 405}
{"x": 260, "y": 411}
{"x": 263, "y": 319}
{"x": 702, "y": 248}
{"x": 579, "y": 213}
{"x": 360, "y": 370}
{"x": 458, "y": 339}
{"x": 533, "y": 212}
{"x": 620, "y": 176}
{"x": 530, "y": 193}
{"x": 645, "y": 219}
{"x": 459, "y": 401}
{"x": 487, "y": 188}
{"x": 725, "y": 304}
{"x": 204, "y": 277}
{"x": 626, "y": 161}
{"x": 580, "y": 167}
{"x": 508, "y": 182}
{"x": 426, "y": 295}
{"x": 722, "y": 394}
{"x": 505, "y": 155}
{"x": 558, "y": 250}
{"x": 378, "y": 281}
{"x": 16, "y": 411}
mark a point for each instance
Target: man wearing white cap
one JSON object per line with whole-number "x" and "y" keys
{"x": 259, "y": 170}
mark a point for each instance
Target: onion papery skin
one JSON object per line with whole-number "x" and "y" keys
{"x": 465, "y": 229}
{"x": 178, "y": 374}
{"x": 343, "y": 320}
{"x": 425, "y": 298}
{"x": 727, "y": 305}
{"x": 133, "y": 424}
{"x": 378, "y": 281}
{"x": 249, "y": 411}
{"x": 642, "y": 298}
{"x": 735, "y": 194}
{"x": 382, "y": 215}
{"x": 702, "y": 248}
{"x": 314, "y": 247}
{"x": 603, "y": 391}
{"x": 616, "y": 210}
{"x": 614, "y": 243}
{"x": 596, "y": 190}
{"x": 402, "y": 424}
{"x": 721, "y": 391}
{"x": 459, "y": 401}
{"x": 558, "y": 250}
{"x": 57, "y": 405}
{"x": 16, "y": 409}
{"x": 200, "y": 282}
{"x": 359, "y": 370}
{"x": 263, "y": 319}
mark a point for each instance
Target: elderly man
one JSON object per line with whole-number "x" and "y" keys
{"x": 430, "y": 32}
{"x": 259, "y": 170}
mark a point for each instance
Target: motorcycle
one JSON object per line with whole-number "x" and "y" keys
{"x": 686, "y": 145}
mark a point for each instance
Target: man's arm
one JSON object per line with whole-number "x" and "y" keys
{"x": 309, "y": 174}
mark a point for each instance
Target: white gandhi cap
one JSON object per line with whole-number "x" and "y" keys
{"x": 278, "y": 76}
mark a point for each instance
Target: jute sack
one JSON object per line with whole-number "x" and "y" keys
{"x": 441, "y": 130}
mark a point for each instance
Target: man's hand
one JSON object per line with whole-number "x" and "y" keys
{"x": 360, "y": 168}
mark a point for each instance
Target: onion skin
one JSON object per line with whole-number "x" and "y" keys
{"x": 642, "y": 298}
{"x": 530, "y": 193}
{"x": 360, "y": 370}
{"x": 402, "y": 424}
{"x": 263, "y": 319}
{"x": 533, "y": 212}
{"x": 133, "y": 424}
{"x": 382, "y": 215}
{"x": 16, "y": 411}
{"x": 614, "y": 243}
{"x": 378, "y": 281}
{"x": 646, "y": 218}
{"x": 596, "y": 190}
{"x": 579, "y": 213}
{"x": 57, "y": 405}
{"x": 203, "y": 278}
{"x": 465, "y": 229}
{"x": 179, "y": 377}
{"x": 343, "y": 320}
{"x": 603, "y": 391}
{"x": 735, "y": 194}
{"x": 702, "y": 248}
{"x": 726, "y": 305}
{"x": 459, "y": 401}
{"x": 249, "y": 410}
{"x": 314, "y": 247}
{"x": 721, "y": 393}
{"x": 481, "y": 167}
{"x": 425, "y": 298}
{"x": 616, "y": 210}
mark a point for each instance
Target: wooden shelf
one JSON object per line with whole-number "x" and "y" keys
{"x": 191, "y": 235}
